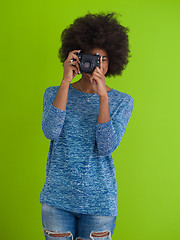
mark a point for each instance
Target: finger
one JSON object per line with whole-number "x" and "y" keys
{"x": 75, "y": 63}
{"x": 95, "y": 77}
{"x": 88, "y": 75}
{"x": 93, "y": 80}
{"x": 95, "y": 74}
{"x": 98, "y": 74}
{"x": 97, "y": 70}
{"x": 91, "y": 77}
{"x": 75, "y": 51}
{"x": 74, "y": 56}
{"x": 72, "y": 52}
{"x": 75, "y": 69}
{"x": 101, "y": 63}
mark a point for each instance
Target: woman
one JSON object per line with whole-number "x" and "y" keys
{"x": 85, "y": 122}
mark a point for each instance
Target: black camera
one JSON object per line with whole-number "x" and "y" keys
{"x": 88, "y": 62}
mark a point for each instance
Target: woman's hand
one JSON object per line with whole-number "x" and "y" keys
{"x": 98, "y": 80}
{"x": 71, "y": 70}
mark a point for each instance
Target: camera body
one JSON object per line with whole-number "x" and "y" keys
{"x": 88, "y": 62}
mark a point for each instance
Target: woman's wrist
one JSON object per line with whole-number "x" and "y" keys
{"x": 65, "y": 82}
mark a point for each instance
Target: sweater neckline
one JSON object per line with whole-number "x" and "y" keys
{"x": 90, "y": 94}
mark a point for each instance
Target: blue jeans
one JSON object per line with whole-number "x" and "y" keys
{"x": 61, "y": 224}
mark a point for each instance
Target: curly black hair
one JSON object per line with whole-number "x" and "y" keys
{"x": 98, "y": 30}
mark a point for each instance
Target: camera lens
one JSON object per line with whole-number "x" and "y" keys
{"x": 87, "y": 64}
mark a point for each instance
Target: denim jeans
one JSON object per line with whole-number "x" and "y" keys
{"x": 61, "y": 224}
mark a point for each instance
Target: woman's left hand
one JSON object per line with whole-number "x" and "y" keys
{"x": 97, "y": 79}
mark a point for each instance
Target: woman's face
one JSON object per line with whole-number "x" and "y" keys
{"x": 105, "y": 59}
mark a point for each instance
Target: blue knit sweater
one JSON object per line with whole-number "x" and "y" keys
{"x": 80, "y": 173}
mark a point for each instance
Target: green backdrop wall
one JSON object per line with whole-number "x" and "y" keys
{"x": 147, "y": 160}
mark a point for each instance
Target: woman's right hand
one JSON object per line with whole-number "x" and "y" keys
{"x": 69, "y": 74}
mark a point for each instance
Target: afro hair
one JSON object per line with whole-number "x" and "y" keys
{"x": 99, "y": 30}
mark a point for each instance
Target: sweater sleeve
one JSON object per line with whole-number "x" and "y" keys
{"x": 109, "y": 134}
{"x": 52, "y": 117}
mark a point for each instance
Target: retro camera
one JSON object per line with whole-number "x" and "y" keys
{"x": 88, "y": 62}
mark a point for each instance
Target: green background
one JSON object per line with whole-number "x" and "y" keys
{"x": 147, "y": 160}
